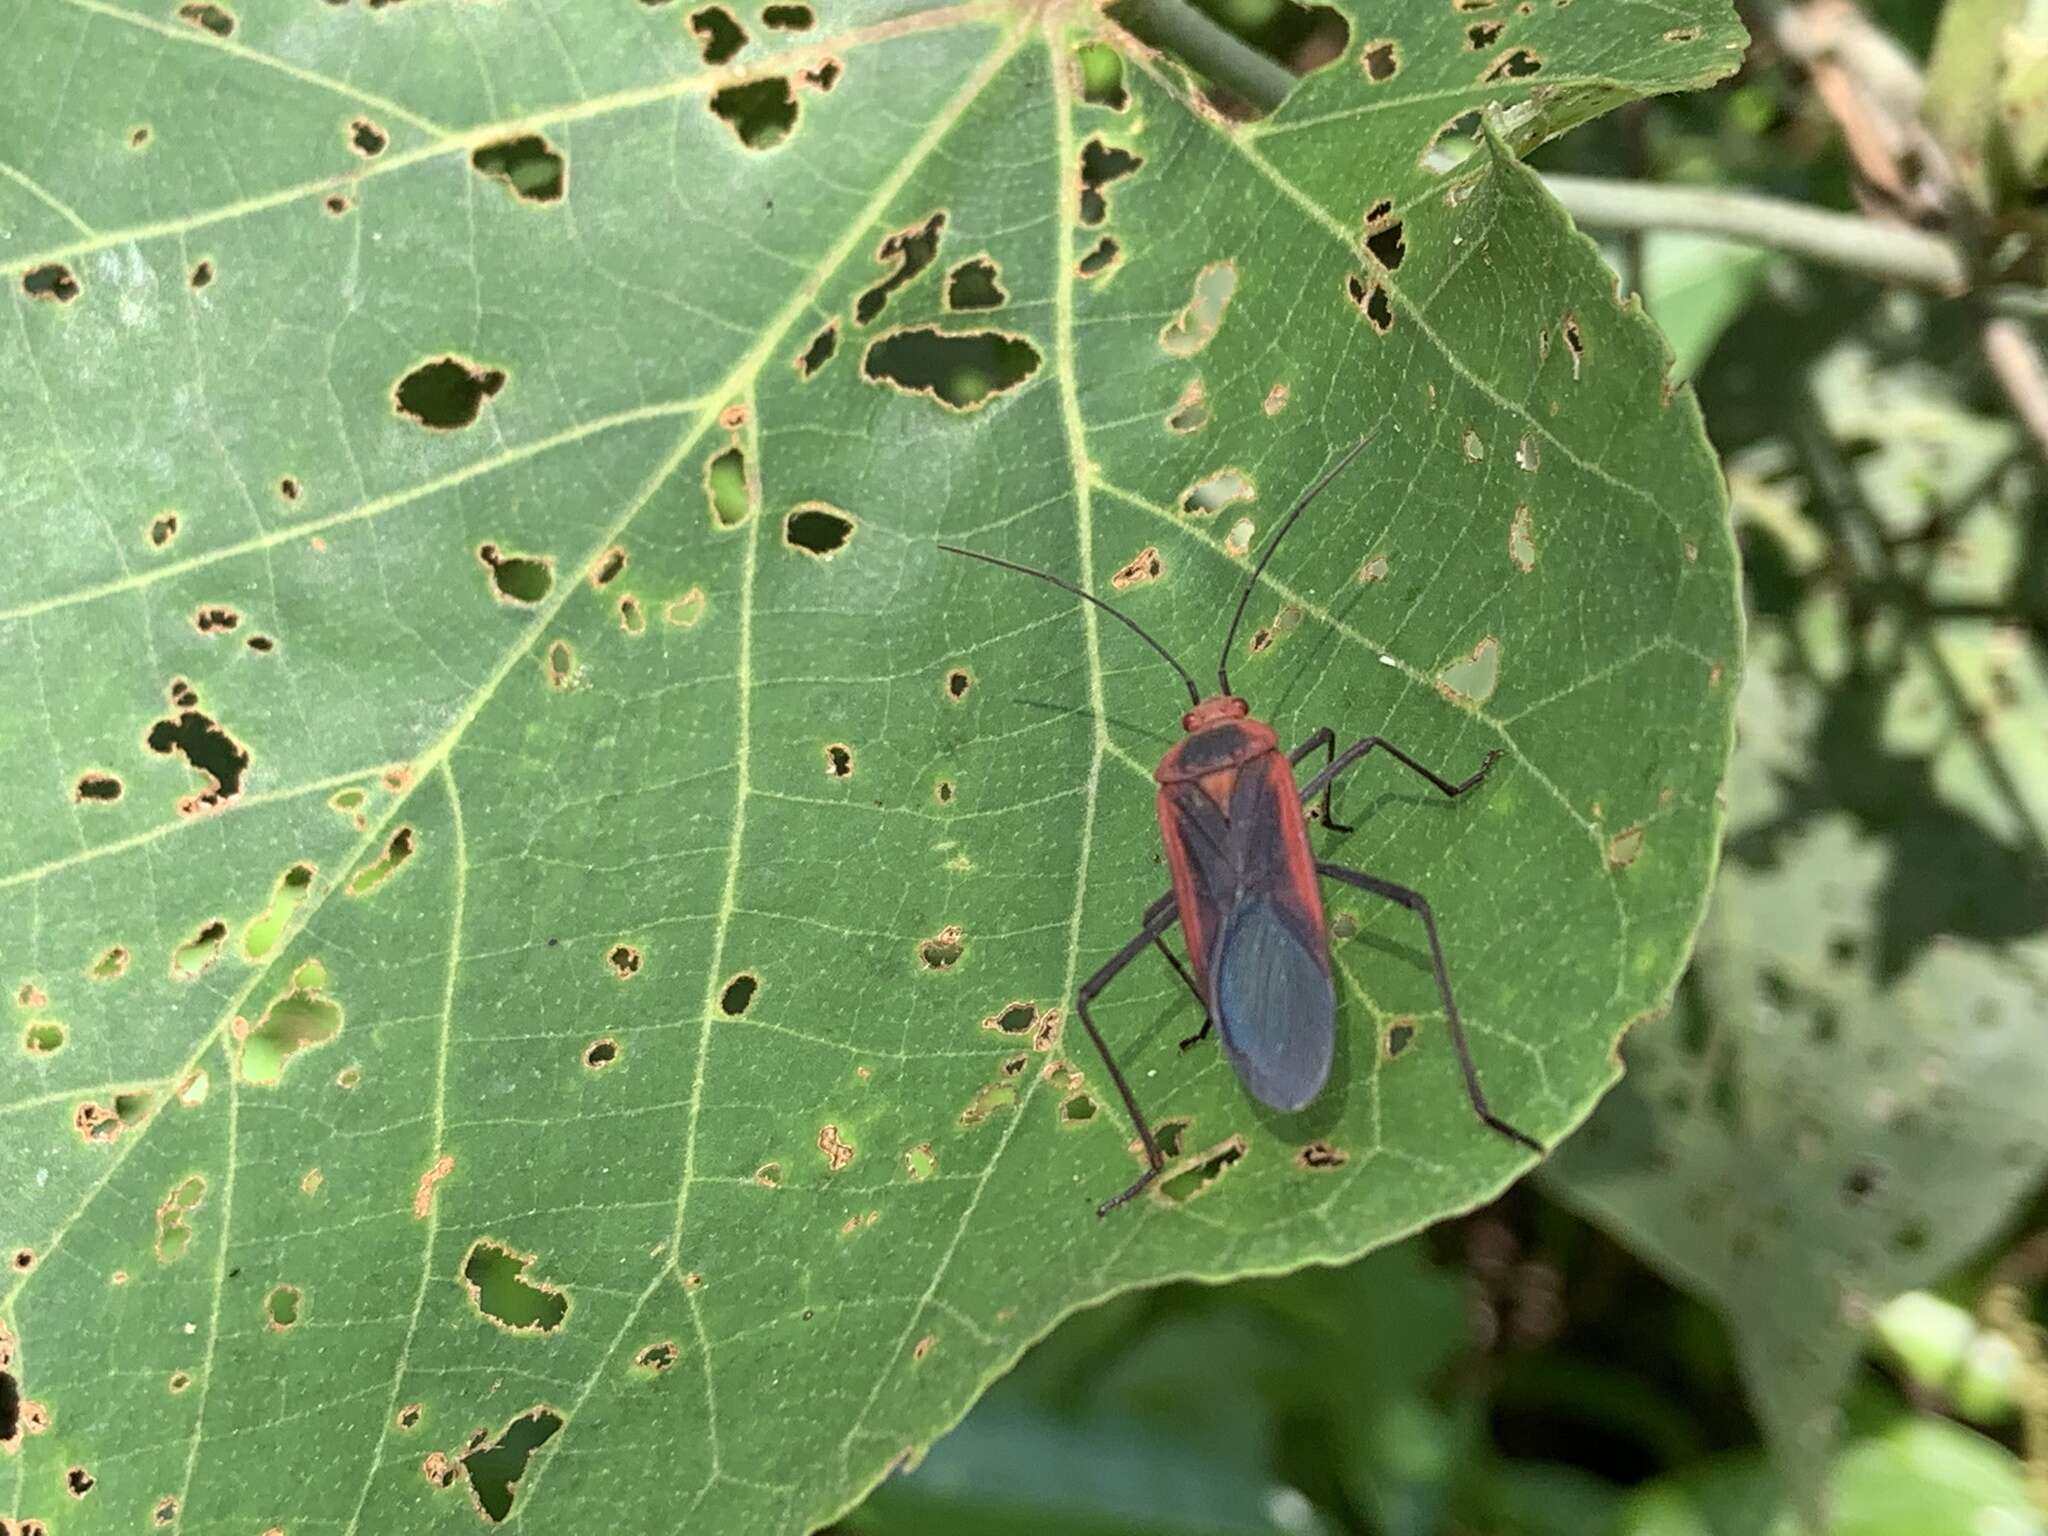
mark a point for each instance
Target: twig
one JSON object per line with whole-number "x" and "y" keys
{"x": 2021, "y": 373}
{"x": 1886, "y": 251}
{"x": 1225, "y": 58}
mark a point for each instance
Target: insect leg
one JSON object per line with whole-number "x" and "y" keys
{"x": 1327, "y": 740}
{"x": 1156, "y": 924}
{"x": 1181, "y": 971}
{"x": 1320, "y": 784}
{"x": 1400, "y": 895}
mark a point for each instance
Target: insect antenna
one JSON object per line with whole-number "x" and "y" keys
{"x": 1194, "y": 693}
{"x": 1287, "y": 522}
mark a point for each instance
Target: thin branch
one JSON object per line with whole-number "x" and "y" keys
{"x": 2020, "y": 371}
{"x": 1212, "y": 50}
{"x": 1889, "y": 252}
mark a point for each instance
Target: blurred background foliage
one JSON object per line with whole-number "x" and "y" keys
{"x": 1794, "y": 1272}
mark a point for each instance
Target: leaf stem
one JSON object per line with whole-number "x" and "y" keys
{"x": 1208, "y": 47}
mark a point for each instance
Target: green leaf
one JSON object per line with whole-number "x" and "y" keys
{"x": 1844, "y": 1105}
{"x": 490, "y": 460}
{"x": 1919, "y": 1477}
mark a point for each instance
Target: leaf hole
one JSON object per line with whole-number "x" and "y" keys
{"x": 1318, "y": 1155}
{"x": 495, "y": 1468}
{"x": 282, "y": 1306}
{"x": 632, "y": 619}
{"x": 532, "y": 169}
{"x": 788, "y": 18}
{"x": 162, "y": 529}
{"x": 1387, "y": 245}
{"x": 942, "y": 951}
{"x": 1077, "y": 1109}
{"x": 199, "y": 951}
{"x": 962, "y": 371}
{"x": 1472, "y": 679}
{"x": 1198, "y": 320}
{"x": 817, "y": 529}
{"x": 1101, "y": 70}
{"x": 719, "y": 33}
{"x": 1201, "y": 1178}
{"x": 738, "y": 995}
{"x": 44, "y": 1037}
{"x": 761, "y": 113}
{"x": 1372, "y": 302}
{"x": 1216, "y": 491}
{"x": 77, "y": 1481}
{"x": 1481, "y": 34}
{"x": 519, "y": 580}
{"x": 728, "y": 487}
{"x": 298, "y": 1019}
{"x": 1380, "y": 59}
{"x": 448, "y": 393}
{"x": 366, "y": 138}
{"x": 1099, "y": 259}
{"x": 52, "y": 282}
{"x": 396, "y": 852}
{"x": 656, "y": 1358}
{"x": 1522, "y": 541}
{"x": 1190, "y": 412}
{"x": 1144, "y": 567}
{"x": 912, "y": 250}
{"x": 496, "y": 1279}
{"x": 111, "y": 963}
{"x": 1101, "y": 164}
{"x": 201, "y": 274}
{"x": 975, "y": 284}
{"x": 607, "y": 567}
{"x": 958, "y": 681}
{"x": 1452, "y": 143}
{"x": 820, "y": 351}
{"x": 624, "y": 960}
{"x": 1518, "y": 64}
{"x": 268, "y": 926}
{"x": 100, "y": 787}
{"x": 600, "y": 1054}
{"x": 1399, "y": 1035}
{"x": 208, "y": 17}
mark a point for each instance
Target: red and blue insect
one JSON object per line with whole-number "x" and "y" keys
{"x": 1246, "y": 886}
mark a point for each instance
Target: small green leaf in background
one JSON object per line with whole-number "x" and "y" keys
{"x": 1919, "y": 1477}
{"x": 601, "y": 894}
{"x": 1845, "y": 1103}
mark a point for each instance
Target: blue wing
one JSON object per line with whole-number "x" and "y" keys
{"x": 1273, "y": 1003}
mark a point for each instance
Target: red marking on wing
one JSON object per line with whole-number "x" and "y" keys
{"x": 1198, "y": 921}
